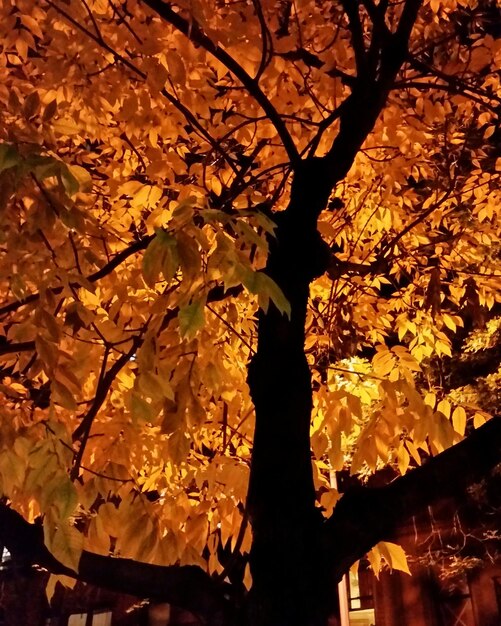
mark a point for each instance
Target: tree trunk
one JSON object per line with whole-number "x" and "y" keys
{"x": 288, "y": 582}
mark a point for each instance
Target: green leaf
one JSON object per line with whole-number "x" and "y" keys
{"x": 160, "y": 256}
{"x": 141, "y": 410}
{"x": 249, "y": 278}
{"x": 265, "y": 222}
{"x": 215, "y": 216}
{"x": 50, "y": 111}
{"x": 9, "y": 156}
{"x": 69, "y": 181}
{"x": 178, "y": 446}
{"x": 266, "y": 288}
{"x": 191, "y": 319}
{"x": 43, "y": 466}
{"x": 42, "y": 166}
{"x": 172, "y": 420}
{"x": 63, "y": 497}
{"x": 63, "y": 396}
{"x": 189, "y": 256}
{"x": 31, "y": 105}
{"x": 170, "y": 254}
{"x": 12, "y": 470}
{"x": 250, "y": 235}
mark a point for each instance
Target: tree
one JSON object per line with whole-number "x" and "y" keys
{"x": 309, "y": 188}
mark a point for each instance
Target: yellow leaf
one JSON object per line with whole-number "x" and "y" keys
{"x": 430, "y": 399}
{"x": 403, "y": 459}
{"x": 176, "y": 67}
{"x": 215, "y": 185}
{"x": 66, "y": 581}
{"x": 394, "y": 555}
{"x": 63, "y": 541}
{"x": 32, "y": 25}
{"x": 413, "y": 451}
{"x": 374, "y": 557}
{"x": 66, "y": 126}
{"x": 444, "y": 407}
{"x": 449, "y": 321}
{"x": 479, "y": 419}
{"x": 459, "y": 420}
{"x": 247, "y": 577}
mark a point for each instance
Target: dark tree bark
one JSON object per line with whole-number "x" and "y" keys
{"x": 287, "y": 559}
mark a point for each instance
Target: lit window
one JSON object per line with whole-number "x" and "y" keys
{"x": 96, "y": 618}
{"x": 102, "y": 619}
{"x": 361, "y": 601}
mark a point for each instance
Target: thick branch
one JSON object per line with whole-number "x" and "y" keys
{"x": 369, "y": 94}
{"x": 471, "y": 367}
{"x": 364, "y": 516}
{"x": 357, "y": 36}
{"x": 188, "y": 587}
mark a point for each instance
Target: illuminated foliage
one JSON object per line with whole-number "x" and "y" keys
{"x": 162, "y": 169}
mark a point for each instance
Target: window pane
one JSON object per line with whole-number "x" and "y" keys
{"x": 77, "y": 619}
{"x": 362, "y": 618}
{"x": 101, "y": 619}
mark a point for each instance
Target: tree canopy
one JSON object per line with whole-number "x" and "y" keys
{"x": 187, "y": 188}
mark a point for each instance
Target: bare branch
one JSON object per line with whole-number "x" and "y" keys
{"x": 357, "y": 36}
{"x": 7, "y": 347}
{"x": 284, "y": 16}
{"x": 267, "y": 42}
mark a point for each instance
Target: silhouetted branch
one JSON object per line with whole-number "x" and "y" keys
{"x": 117, "y": 260}
{"x": 186, "y": 586}
{"x": 194, "y": 33}
{"x": 366, "y": 515}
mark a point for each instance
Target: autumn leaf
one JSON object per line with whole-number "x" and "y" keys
{"x": 158, "y": 160}
{"x": 64, "y": 542}
{"x": 191, "y": 318}
{"x": 394, "y": 555}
